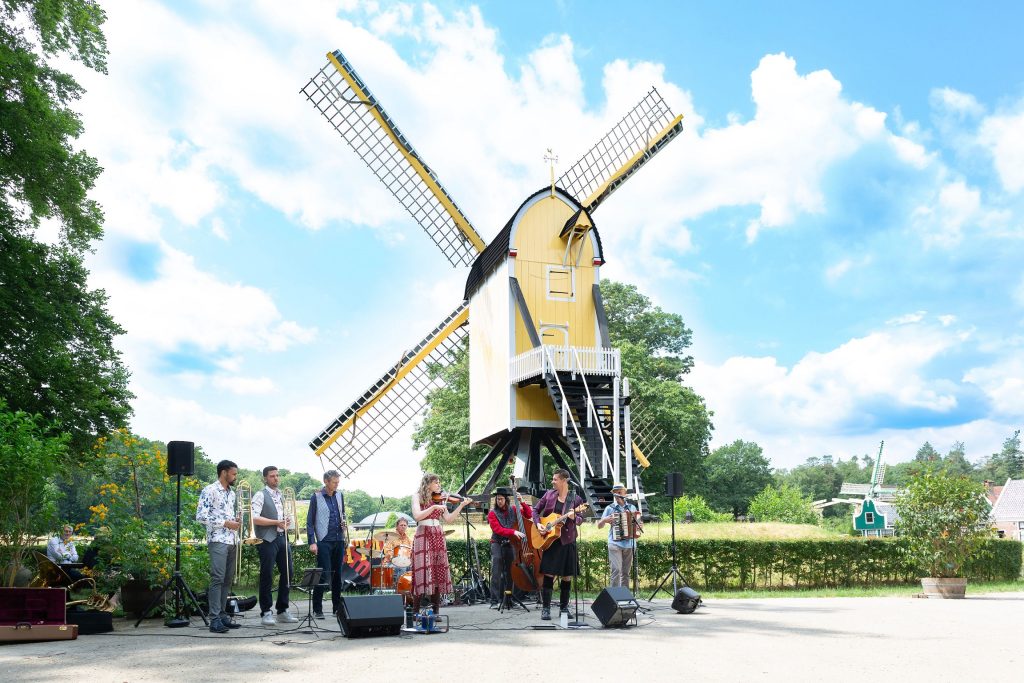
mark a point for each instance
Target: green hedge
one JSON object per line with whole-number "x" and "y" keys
{"x": 741, "y": 564}
{"x": 749, "y": 564}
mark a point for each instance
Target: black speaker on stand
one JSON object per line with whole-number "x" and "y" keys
{"x": 181, "y": 460}
{"x": 686, "y": 600}
{"x": 673, "y": 489}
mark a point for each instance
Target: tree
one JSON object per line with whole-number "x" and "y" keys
{"x": 57, "y": 357}
{"x": 955, "y": 462}
{"x": 444, "y": 431}
{"x": 28, "y": 458}
{"x": 1008, "y": 463}
{"x": 785, "y": 504}
{"x": 927, "y": 453}
{"x": 652, "y": 343}
{"x": 736, "y": 473}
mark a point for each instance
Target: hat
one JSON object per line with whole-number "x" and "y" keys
{"x": 618, "y": 485}
{"x": 503, "y": 491}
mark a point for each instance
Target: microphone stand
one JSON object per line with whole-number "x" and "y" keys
{"x": 369, "y": 545}
{"x": 570, "y": 499}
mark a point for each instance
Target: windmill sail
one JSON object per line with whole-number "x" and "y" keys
{"x": 630, "y": 144}
{"x": 340, "y": 95}
{"x": 393, "y": 400}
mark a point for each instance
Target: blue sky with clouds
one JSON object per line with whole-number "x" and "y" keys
{"x": 841, "y": 223}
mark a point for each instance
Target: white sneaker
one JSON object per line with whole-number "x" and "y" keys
{"x": 268, "y": 619}
{"x": 286, "y": 618}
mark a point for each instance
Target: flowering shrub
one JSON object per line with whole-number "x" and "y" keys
{"x": 134, "y": 514}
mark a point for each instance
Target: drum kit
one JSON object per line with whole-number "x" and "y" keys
{"x": 392, "y": 573}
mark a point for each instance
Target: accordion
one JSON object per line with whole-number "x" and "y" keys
{"x": 624, "y": 526}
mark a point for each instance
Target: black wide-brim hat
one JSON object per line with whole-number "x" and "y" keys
{"x": 503, "y": 491}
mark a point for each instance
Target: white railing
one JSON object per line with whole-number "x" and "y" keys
{"x": 575, "y": 359}
{"x": 594, "y": 420}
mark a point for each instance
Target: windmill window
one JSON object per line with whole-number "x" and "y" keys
{"x": 869, "y": 517}
{"x": 561, "y": 283}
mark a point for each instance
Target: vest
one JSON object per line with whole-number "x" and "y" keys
{"x": 506, "y": 519}
{"x": 269, "y": 532}
{"x": 320, "y": 516}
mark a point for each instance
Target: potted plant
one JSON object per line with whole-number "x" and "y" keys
{"x": 945, "y": 521}
{"x": 135, "y": 509}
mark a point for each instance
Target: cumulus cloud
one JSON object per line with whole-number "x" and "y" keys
{"x": 1003, "y": 136}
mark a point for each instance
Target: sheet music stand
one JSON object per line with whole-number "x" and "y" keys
{"x": 309, "y": 581}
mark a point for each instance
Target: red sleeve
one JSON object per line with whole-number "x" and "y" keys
{"x": 497, "y": 528}
{"x": 527, "y": 511}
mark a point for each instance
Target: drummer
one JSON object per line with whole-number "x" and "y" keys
{"x": 397, "y": 550}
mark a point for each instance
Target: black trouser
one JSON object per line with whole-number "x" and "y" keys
{"x": 502, "y": 555}
{"x": 274, "y": 553}
{"x": 328, "y": 558}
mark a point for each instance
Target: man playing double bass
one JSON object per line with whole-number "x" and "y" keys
{"x": 504, "y": 531}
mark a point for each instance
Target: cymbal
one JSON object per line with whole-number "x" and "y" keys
{"x": 449, "y": 532}
{"x": 384, "y": 535}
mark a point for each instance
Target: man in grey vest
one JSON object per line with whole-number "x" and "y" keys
{"x": 269, "y": 522}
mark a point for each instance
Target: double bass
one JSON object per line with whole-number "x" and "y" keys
{"x": 526, "y": 574}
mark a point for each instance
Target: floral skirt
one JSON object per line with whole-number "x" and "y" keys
{"x": 430, "y": 571}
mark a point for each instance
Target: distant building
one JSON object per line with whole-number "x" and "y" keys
{"x": 1008, "y": 511}
{"x": 380, "y": 520}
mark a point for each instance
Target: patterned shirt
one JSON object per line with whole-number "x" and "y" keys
{"x": 216, "y": 506}
{"x": 61, "y": 552}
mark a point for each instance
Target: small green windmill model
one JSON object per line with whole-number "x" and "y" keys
{"x": 868, "y": 518}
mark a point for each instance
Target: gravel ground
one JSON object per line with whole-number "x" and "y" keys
{"x": 791, "y": 639}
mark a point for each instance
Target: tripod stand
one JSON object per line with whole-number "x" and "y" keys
{"x": 307, "y": 584}
{"x": 478, "y": 589}
{"x": 177, "y": 581}
{"x": 673, "y": 573}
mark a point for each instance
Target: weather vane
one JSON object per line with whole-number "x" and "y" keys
{"x": 551, "y": 159}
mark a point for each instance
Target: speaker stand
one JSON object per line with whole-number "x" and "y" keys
{"x": 673, "y": 573}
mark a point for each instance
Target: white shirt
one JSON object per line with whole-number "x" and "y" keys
{"x": 215, "y": 507}
{"x": 61, "y": 552}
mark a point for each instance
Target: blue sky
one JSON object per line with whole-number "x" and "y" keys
{"x": 841, "y": 223}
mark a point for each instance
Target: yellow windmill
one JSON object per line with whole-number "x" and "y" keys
{"x": 543, "y": 375}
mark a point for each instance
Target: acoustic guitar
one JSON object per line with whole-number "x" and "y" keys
{"x": 551, "y": 528}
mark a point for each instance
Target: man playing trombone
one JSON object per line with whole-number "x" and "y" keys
{"x": 271, "y": 524}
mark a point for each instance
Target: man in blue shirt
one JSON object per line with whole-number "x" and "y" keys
{"x": 325, "y": 532}
{"x": 620, "y": 552}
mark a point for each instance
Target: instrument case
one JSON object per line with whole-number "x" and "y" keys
{"x": 28, "y": 614}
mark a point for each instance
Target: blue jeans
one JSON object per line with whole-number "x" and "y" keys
{"x": 328, "y": 558}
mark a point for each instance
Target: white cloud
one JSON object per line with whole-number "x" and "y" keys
{"x": 828, "y": 392}
{"x": 1003, "y": 384}
{"x": 245, "y": 386}
{"x": 1003, "y": 136}
{"x": 957, "y": 207}
{"x": 957, "y": 102}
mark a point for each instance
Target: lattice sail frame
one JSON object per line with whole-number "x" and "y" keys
{"x": 393, "y": 401}
{"x": 347, "y": 104}
{"x": 630, "y": 144}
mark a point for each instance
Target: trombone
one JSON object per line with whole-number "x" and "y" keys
{"x": 247, "y": 531}
{"x": 291, "y": 529}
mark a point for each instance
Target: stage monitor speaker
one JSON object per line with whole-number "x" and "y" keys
{"x": 686, "y": 600}
{"x": 615, "y": 606}
{"x": 674, "y": 485}
{"x": 363, "y": 616}
{"x": 181, "y": 458}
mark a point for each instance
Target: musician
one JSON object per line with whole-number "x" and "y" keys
{"x": 216, "y": 511}
{"x": 270, "y": 524}
{"x": 62, "y": 552}
{"x": 325, "y": 530}
{"x": 431, "y": 575}
{"x": 560, "y": 559}
{"x": 504, "y": 529}
{"x": 620, "y": 553}
{"x": 399, "y": 545}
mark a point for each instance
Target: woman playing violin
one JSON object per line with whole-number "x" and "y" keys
{"x": 560, "y": 559}
{"x": 431, "y": 575}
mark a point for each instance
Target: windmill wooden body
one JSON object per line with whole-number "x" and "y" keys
{"x": 544, "y": 379}
{"x": 873, "y": 516}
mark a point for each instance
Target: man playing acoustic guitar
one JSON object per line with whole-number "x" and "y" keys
{"x": 555, "y": 515}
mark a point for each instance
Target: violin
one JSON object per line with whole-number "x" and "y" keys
{"x": 442, "y": 497}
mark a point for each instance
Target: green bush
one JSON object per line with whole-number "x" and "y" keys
{"x": 699, "y": 509}
{"x": 786, "y": 504}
